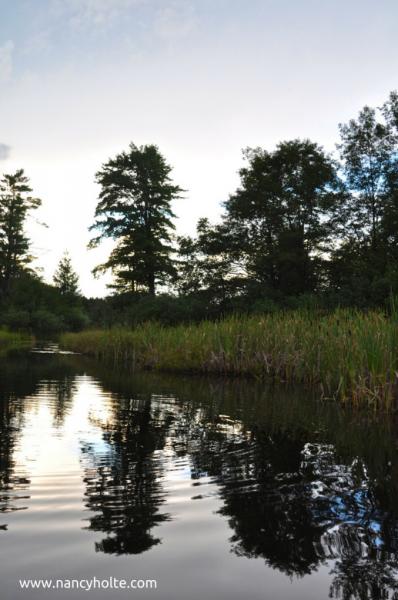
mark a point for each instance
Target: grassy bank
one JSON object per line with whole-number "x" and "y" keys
{"x": 14, "y": 341}
{"x": 350, "y": 355}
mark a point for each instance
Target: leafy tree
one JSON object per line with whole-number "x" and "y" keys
{"x": 15, "y": 205}
{"x": 362, "y": 266}
{"x": 135, "y": 210}
{"x": 209, "y": 267}
{"x": 277, "y": 223}
{"x": 65, "y": 278}
{"x": 390, "y": 111}
{"x": 368, "y": 151}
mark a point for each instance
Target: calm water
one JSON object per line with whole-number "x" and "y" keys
{"x": 215, "y": 489}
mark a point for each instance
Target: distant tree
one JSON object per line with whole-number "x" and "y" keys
{"x": 210, "y": 265}
{"x": 65, "y": 278}
{"x": 15, "y": 205}
{"x": 135, "y": 210}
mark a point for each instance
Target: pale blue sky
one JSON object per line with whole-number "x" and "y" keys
{"x": 80, "y": 79}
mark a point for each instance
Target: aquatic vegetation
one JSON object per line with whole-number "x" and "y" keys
{"x": 350, "y": 355}
{"x": 14, "y": 341}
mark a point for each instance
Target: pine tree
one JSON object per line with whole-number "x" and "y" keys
{"x": 15, "y": 205}
{"x": 65, "y": 279}
{"x": 135, "y": 210}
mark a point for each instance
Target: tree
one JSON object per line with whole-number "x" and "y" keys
{"x": 135, "y": 210}
{"x": 362, "y": 266}
{"x": 368, "y": 151}
{"x": 15, "y": 205}
{"x": 284, "y": 214}
{"x": 209, "y": 268}
{"x": 65, "y": 279}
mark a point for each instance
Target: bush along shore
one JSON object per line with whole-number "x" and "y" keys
{"x": 350, "y": 355}
{"x": 15, "y": 341}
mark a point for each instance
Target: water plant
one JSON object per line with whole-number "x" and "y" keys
{"x": 350, "y": 355}
{"x": 14, "y": 341}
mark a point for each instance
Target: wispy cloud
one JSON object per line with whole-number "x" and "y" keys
{"x": 4, "y": 151}
{"x": 6, "y": 60}
{"x": 175, "y": 20}
{"x": 97, "y": 14}
{"x": 38, "y": 43}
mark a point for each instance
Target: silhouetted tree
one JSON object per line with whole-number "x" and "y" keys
{"x": 368, "y": 151}
{"x": 277, "y": 225}
{"x": 135, "y": 210}
{"x": 65, "y": 279}
{"x": 15, "y": 204}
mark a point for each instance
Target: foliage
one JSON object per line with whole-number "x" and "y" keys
{"x": 15, "y": 205}
{"x": 135, "y": 210}
{"x": 277, "y": 225}
{"x": 302, "y": 231}
{"x": 349, "y": 354}
{"x": 369, "y": 153}
{"x": 37, "y": 306}
{"x": 11, "y": 341}
{"x": 65, "y": 279}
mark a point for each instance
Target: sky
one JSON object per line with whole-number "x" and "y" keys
{"x": 201, "y": 79}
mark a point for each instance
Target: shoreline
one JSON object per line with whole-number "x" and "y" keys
{"x": 350, "y": 355}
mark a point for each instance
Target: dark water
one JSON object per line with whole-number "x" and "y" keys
{"x": 215, "y": 489}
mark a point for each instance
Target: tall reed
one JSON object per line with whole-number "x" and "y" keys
{"x": 11, "y": 341}
{"x": 349, "y": 354}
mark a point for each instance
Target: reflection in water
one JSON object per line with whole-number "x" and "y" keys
{"x": 124, "y": 485}
{"x": 301, "y": 484}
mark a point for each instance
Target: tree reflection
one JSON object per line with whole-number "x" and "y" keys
{"x": 124, "y": 487}
{"x": 298, "y": 505}
{"x": 294, "y": 491}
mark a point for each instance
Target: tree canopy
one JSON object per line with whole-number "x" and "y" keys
{"x": 277, "y": 223}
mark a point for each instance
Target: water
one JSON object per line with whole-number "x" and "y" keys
{"x": 212, "y": 488}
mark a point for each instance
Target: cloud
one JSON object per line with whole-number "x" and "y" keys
{"x": 97, "y": 14}
{"x": 175, "y": 21}
{"x": 38, "y": 43}
{"x": 6, "y": 60}
{"x": 4, "y": 151}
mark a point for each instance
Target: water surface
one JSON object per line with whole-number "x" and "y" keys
{"x": 214, "y": 488}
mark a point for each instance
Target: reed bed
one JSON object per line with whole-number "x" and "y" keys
{"x": 11, "y": 341}
{"x": 348, "y": 354}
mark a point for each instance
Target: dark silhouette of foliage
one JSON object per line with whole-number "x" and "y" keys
{"x": 15, "y": 205}
{"x": 135, "y": 210}
{"x": 65, "y": 279}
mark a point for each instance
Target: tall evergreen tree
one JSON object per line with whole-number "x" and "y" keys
{"x": 15, "y": 205}
{"x": 65, "y": 278}
{"x": 135, "y": 210}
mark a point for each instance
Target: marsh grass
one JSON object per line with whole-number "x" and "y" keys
{"x": 350, "y": 355}
{"x": 14, "y": 341}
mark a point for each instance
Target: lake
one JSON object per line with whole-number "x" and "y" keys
{"x": 185, "y": 487}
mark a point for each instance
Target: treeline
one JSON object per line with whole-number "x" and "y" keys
{"x": 303, "y": 229}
